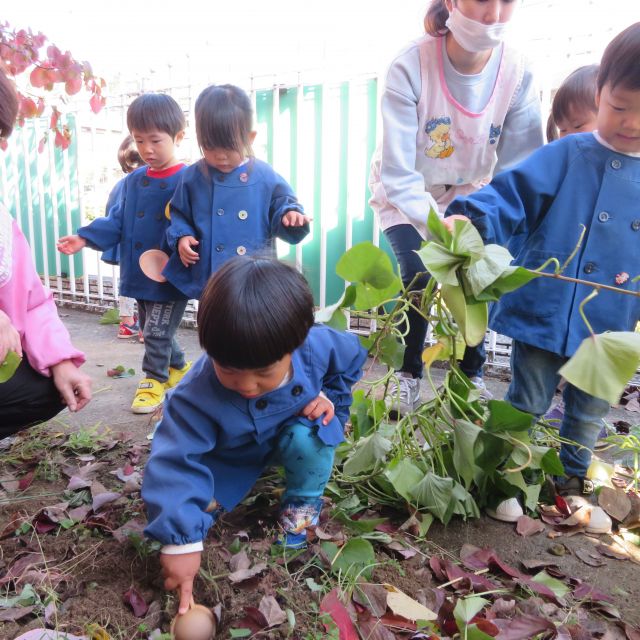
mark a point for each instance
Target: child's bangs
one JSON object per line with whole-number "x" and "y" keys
{"x": 217, "y": 130}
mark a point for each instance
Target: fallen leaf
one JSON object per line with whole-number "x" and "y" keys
{"x": 239, "y": 561}
{"x": 48, "y": 634}
{"x": 590, "y": 558}
{"x": 134, "y": 599}
{"x": 527, "y": 526}
{"x": 331, "y": 604}
{"x": 371, "y": 596}
{"x": 15, "y": 613}
{"x": 615, "y": 502}
{"x": 272, "y": 612}
{"x": 245, "y": 574}
{"x": 402, "y": 605}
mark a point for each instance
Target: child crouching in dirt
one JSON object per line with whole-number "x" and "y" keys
{"x": 272, "y": 388}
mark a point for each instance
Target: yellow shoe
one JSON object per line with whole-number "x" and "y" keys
{"x": 149, "y": 396}
{"x": 175, "y": 375}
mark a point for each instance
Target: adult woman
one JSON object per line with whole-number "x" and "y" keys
{"x": 48, "y": 377}
{"x": 458, "y": 106}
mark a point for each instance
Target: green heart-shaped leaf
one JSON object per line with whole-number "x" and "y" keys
{"x": 603, "y": 364}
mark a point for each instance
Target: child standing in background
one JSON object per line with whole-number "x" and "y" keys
{"x": 574, "y": 109}
{"x": 228, "y": 203}
{"x": 458, "y": 106}
{"x": 129, "y": 160}
{"x": 272, "y": 388}
{"x": 585, "y": 179}
{"x": 138, "y": 222}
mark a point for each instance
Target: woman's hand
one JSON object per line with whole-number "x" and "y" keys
{"x": 187, "y": 255}
{"x": 295, "y": 219}
{"x": 71, "y": 244}
{"x": 179, "y": 572}
{"x": 9, "y": 337}
{"x": 449, "y": 221}
{"x": 319, "y": 406}
{"x": 73, "y": 385}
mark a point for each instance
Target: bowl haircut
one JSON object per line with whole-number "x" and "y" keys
{"x": 254, "y": 311}
{"x": 620, "y": 61}
{"x": 224, "y": 119}
{"x": 155, "y": 112}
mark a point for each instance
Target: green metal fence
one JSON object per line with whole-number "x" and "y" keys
{"x": 39, "y": 187}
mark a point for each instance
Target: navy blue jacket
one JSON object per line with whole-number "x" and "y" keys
{"x": 544, "y": 200}
{"x": 214, "y": 443}
{"x": 229, "y": 214}
{"x": 112, "y": 256}
{"x": 137, "y": 222}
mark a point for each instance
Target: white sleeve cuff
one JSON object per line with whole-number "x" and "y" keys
{"x": 179, "y": 549}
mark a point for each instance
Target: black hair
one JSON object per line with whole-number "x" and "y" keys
{"x": 8, "y": 105}
{"x": 152, "y": 111}
{"x": 577, "y": 91}
{"x": 128, "y": 155}
{"x": 620, "y": 61}
{"x": 224, "y": 119}
{"x": 552, "y": 130}
{"x": 254, "y": 311}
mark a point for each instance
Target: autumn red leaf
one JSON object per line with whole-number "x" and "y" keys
{"x": 134, "y": 599}
{"x": 332, "y": 605}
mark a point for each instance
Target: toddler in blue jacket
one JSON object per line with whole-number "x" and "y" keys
{"x": 136, "y": 223}
{"x": 589, "y": 179}
{"x": 229, "y": 203}
{"x": 272, "y": 388}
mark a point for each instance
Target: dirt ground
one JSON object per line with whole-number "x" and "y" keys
{"x": 96, "y": 574}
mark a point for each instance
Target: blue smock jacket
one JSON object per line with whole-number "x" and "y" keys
{"x": 229, "y": 214}
{"x": 136, "y": 223}
{"x": 213, "y": 443}
{"x": 571, "y": 182}
{"x": 112, "y": 256}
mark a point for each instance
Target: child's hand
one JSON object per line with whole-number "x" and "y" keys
{"x": 187, "y": 255}
{"x": 295, "y": 219}
{"x": 319, "y": 406}
{"x": 178, "y": 572}
{"x": 71, "y": 244}
{"x": 449, "y": 221}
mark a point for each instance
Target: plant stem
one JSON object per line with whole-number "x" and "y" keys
{"x": 595, "y": 285}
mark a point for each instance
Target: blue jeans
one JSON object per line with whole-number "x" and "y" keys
{"x": 534, "y": 378}
{"x": 307, "y": 462}
{"x": 159, "y": 322}
{"x": 405, "y": 241}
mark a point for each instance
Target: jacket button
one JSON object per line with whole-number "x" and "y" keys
{"x": 159, "y": 217}
{"x": 635, "y": 225}
{"x": 589, "y": 267}
{"x": 241, "y": 250}
{"x": 616, "y": 164}
{"x": 163, "y": 185}
{"x": 220, "y": 212}
{"x": 296, "y": 391}
{"x": 221, "y": 177}
{"x": 603, "y": 216}
{"x": 261, "y": 404}
{"x": 140, "y": 214}
{"x": 220, "y": 248}
{"x": 242, "y": 215}
{"x": 144, "y": 182}
{"x": 138, "y": 245}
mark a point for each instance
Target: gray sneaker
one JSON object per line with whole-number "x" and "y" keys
{"x": 403, "y": 396}
{"x": 480, "y": 385}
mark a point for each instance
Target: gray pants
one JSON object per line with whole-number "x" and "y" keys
{"x": 159, "y": 322}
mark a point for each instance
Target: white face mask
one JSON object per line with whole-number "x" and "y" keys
{"x": 474, "y": 36}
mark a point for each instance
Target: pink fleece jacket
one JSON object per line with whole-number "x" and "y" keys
{"x": 30, "y": 305}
